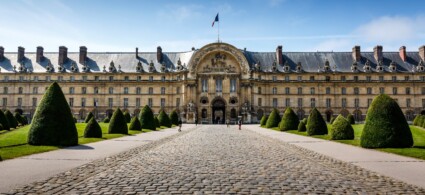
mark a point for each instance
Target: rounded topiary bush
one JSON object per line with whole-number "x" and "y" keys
{"x": 289, "y": 120}
{"x": 174, "y": 117}
{"x": 332, "y": 120}
{"x": 93, "y": 129}
{"x": 301, "y": 127}
{"x": 350, "y": 119}
{"x": 127, "y": 117}
{"x": 53, "y": 123}
{"x": 315, "y": 124}
{"x": 11, "y": 119}
{"x": 135, "y": 124}
{"x": 385, "y": 125}
{"x": 341, "y": 129}
{"x": 263, "y": 120}
{"x": 24, "y": 119}
{"x": 163, "y": 119}
{"x": 117, "y": 124}
{"x": 4, "y": 121}
{"x": 157, "y": 124}
{"x": 146, "y": 118}
{"x": 304, "y": 120}
{"x": 88, "y": 117}
{"x": 416, "y": 120}
{"x": 274, "y": 119}
{"x": 18, "y": 119}
{"x": 106, "y": 120}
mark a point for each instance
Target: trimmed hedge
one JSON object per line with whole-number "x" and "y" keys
{"x": 315, "y": 124}
{"x": 106, "y": 120}
{"x": 350, "y": 119}
{"x": 93, "y": 129}
{"x": 341, "y": 129}
{"x": 332, "y": 120}
{"x": 157, "y": 124}
{"x": 135, "y": 124}
{"x": 301, "y": 127}
{"x": 163, "y": 119}
{"x": 263, "y": 120}
{"x": 117, "y": 124}
{"x": 127, "y": 117}
{"x": 174, "y": 117}
{"x": 385, "y": 126}
{"x": 53, "y": 123}
{"x": 88, "y": 117}
{"x": 4, "y": 121}
{"x": 146, "y": 118}
{"x": 274, "y": 119}
{"x": 11, "y": 119}
{"x": 289, "y": 120}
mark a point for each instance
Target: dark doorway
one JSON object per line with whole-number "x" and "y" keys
{"x": 218, "y": 112}
{"x": 329, "y": 115}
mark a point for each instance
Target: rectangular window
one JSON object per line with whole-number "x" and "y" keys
{"x": 356, "y": 91}
{"x": 111, "y": 90}
{"x": 394, "y": 78}
{"x": 71, "y": 102}
{"x": 162, "y": 102}
{"x": 287, "y": 102}
{"x": 111, "y": 78}
{"x": 150, "y": 91}
{"x": 5, "y": 102}
{"x": 343, "y": 79}
{"x": 139, "y": 78}
{"x": 312, "y": 91}
{"x": 150, "y": 78}
{"x": 327, "y": 78}
{"x": 408, "y": 102}
{"x": 137, "y": 102}
{"x": 60, "y": 78}
{"x": 344, "y": 102}
{"x": 138, "y": 90}
{"x": 83, "y": 102}
{"x": 311, "y": 78}
{"x": 260, "y": 103}
{"x": 275, "y": 102}
{"x": 259, "y": 77}
{"x": 204, "y": 85}
{"x": 125, "y": 102}
{"x": 394, "y": 90}
{"x": 369, "y": 102}
{"x": 328, "y": 103}
{"x": 408, "y": 91}
{"x": 36, "y": 78}
{"x": 163, "y": 78}
{"x": 110, "y": 102}
{"x": 369, "y": 90}
{"x": 125, "y": 90}
{"x": 177, "y": 102}
{"x": 96, "y": 90}
{"x": 287, "y": 78}
{"x": 162, "y": 90}
{"x": 343, "y": 91}
{"x": 84, "y": 90}
{"x": 328, "y": 90}
{"x": 233, "y": 85}
{"x": 274, "y": 78}
{"x": 178, "y": 90}
{"x": 6, "y": 78}
{"x": 71, "y": 78}
{"x": 300, "y": 90}
{"x": 126, "y": 78}
{"x": 422, "y": 78}
{"x": 5, "y": 90}
{"x": 300, "y": 102}
{"x": 313, "y": 102}
{"x": 218, "y": 85}
{"x": 34, "y": 102}
{"x": 47, "y": 78}
{"x": 381, "y": 90}
{"x": 84, "y": 78}
{"x": 150, "y": 102}
{"x": 95, "y": 102}
{"x": 35, "y": 90}
{"x": 406, "y": 78}
{"x": 381, "y": 78}
{"x": 356, "y": 78}
{"x": 71, "y": 90}
{"x": 357, "y": 102}
{"x": 423, "y": 90}
{"x": 274, "y": 91}
{"x": 299, "y": 78}
{"x": 423, "y": 103}
{"x": 287, "y": 92}
{"x": 368, "y": 78}
{"x": 259, "y": 90}
{"x": 96, "y": 78}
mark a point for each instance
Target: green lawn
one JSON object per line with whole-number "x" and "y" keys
{"x": 417, "y": 151}
{"x": 14, "y": 143}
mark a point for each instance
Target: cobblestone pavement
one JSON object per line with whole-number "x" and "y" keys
{"x": 219, "y": 160}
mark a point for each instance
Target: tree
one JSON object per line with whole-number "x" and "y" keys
{"x": 263, "y": 120}
{"x": 163, "y": 119}
{"x": 350, "y": 119}
{"x": 117, "y": 124}
{"x": 106, "y": 120}
{"x": 341, "y": 129}
{"x": 93, "y": 129}
{"x": 315, "y": 124}
{"x": 88, "y": 117}
{"x": 135, "y": 124}
{"x": 127, "y": 117}
{"x": 53, "y": 123}
{"x": 11, "y": 119}
{"x": 385, "y": 126}
{"x": 174, "y": 117}
{"x": 274, "y": 119}
{"x": 146, "y": 118}
{"x": 157, "y": 124}
{"x": 4, "y": 121}
{"x": 301, "y": 127}
{"x": 289, "y": 120}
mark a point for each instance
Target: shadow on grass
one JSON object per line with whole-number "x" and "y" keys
{"x": 9, "y": 146}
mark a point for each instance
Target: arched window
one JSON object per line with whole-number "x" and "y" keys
{"x": 233, "y": 113}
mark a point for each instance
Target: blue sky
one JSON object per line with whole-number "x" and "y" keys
{"x": 258, "y": 25}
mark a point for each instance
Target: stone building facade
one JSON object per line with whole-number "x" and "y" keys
{"x": 216, "y": 82}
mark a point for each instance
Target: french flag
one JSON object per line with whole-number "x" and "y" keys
{"x": 215, "y": 20}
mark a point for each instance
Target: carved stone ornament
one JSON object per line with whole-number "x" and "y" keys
{"x": 367, "y": 67}
{"x": 139, "y": 67}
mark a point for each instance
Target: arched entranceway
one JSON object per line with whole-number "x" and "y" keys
{"x": 218, "y": 111}
{"x": 329, "y": 114}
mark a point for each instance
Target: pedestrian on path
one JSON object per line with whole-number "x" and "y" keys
{"x": 240, "y": 123}
{"x": 196, "y": 122}
{"x": 228, "y": 123}
{"x": 180, "y": 125}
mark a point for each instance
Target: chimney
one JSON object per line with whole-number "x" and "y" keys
{"x": 1, "y": 54}
{"x": 377, "y": 53}
{"x": 63, "y": 55}
{"x": 137, "y": 52}
{"x": 279, "y": 57}
{"x": 356, "y": 54}
{"x": 83, "y": 55}
{"x": 39, "y": 54}
{"x": 422, "y": 52}
{"x": 159, "y": 54}
{"x": 402, "y": 52}
{"x": 21, "y": 54}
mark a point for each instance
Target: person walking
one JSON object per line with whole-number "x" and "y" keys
{"x": 196, "y": 122}
{"x": 240, "y": 123}
{"x": 228, "y": 123}
{"x": 180, "y": 125}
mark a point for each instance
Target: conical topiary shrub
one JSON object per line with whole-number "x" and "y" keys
{"x": 24, "y": 120}
{"x": 174, "y": 117}
{"x": 163, "y": 119}
{"x": 301, "y": 127}
{"x": 88, "y": 117}
{"x": 289, "y": 120}
{"x": 146, "y": 118}
{"x": 304, "y": 120}
{"x": 423, "y": 122}
{"x": 135, "y": 124}
{"x": 11, "y": 119}
{"x": 350, "y": 119}
{"x": 4, "y": 121}
{"x": 341, "y": 129}
{"x": 332, "y": 120}
{"x": 385, "y": 126}
{"x": 117, "y": 124}
{"x": 157, "y": 124}
{"x": 315, "y": 124}
{"x": 263, "y": 120}
{"x": 416, "y": 120}
{"x": 53, "y": 123}
{"x": 93, "y": 129}
{"x": 18, "y": 118}
{"x": 274, "y": 119}
{"x": 127, "y": 117}
{"x": 106, "y": 120}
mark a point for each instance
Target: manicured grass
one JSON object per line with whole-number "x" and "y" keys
{"x": 417, "y": 151}
{"x": 13, "y": 143}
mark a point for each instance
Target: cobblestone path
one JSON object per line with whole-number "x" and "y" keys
{"x": 218, "y": 160}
